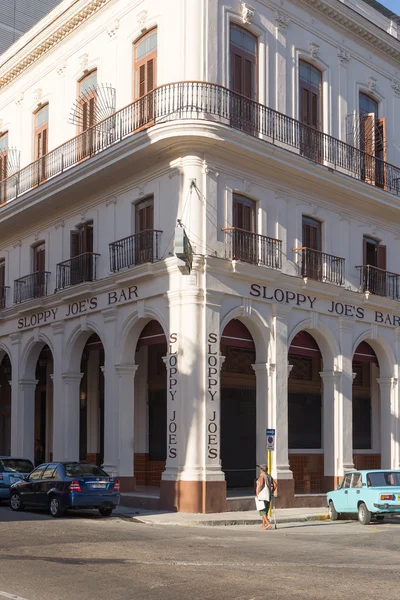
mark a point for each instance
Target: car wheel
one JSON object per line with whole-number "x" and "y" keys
{"x": 55, "y": 507}
{"x": 16, "y": 502}
{"x": 333, "y": 514}
{"x": 105, "y": 511}
{"x": 364, "y": 515}
{"x": 379, "y": 517}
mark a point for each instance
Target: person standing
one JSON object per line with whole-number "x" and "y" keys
{"x": 265, "y": 488}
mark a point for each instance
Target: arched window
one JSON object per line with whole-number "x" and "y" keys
{"x": 145, "y": 64}
{"x": 87, "y": 96}
{"x": 310, "y": 84}
{"x": 243, "y": 61}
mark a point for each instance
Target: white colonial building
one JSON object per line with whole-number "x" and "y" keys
{"x": 199, "y": 240}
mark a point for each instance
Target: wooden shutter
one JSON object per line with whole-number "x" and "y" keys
{"x": 40, "y": 259}
{"x": 92, "y": 116}
{"x": 314, "y": 111}
{"x": 311, "y": 234}
{"x": 365, "y": 242}
{"x": 75, "y": 243}
{"x": 2, "y": 276}
{"x": 236, "y": 73}
{"x": 144, "y": 216}
{"x": 84, "y": 116}
{"x": 304, "y": 118}
{"x": 88, "y": 243}
{"x": 150, "y": 75}
{"x": 381, "y": 257}
{"x": 248, "y": 79}
{"x": 243, "y": 214}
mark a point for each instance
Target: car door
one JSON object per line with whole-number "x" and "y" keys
{"x": 45, "y": 484}
{"x": 30, "y": 487}
{"x": 353, "y": 493}
{"x": 340, "y": 500}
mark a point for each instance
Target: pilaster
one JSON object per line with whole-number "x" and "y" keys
{"x": 388, "y": 387}
{"x": 125, "y": 408}
{"x": 345, "y": 417}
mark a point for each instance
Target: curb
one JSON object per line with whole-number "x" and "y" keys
{"x": 228, "y": 522}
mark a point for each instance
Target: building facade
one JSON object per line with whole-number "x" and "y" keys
{"x": 199, "y": 237}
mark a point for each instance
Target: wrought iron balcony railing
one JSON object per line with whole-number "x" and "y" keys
{"x": 3, "y": 293}
{"x": 379, "y": 282}
{"x": 76, "y": 270}
{"x": 31, "y": 286}
{"x": 252, "y": 248}
{"x": 210, "y": 102}
{"x": 134, "y": 250}
{"x": 321, "y": 266}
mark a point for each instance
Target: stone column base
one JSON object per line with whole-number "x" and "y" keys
{"x": 285, "y": 491}
{"x": 193, "y": 496}
{"x": 128, "y": 484}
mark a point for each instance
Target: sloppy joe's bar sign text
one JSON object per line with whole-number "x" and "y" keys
{"x": 340, "y": 309}
{"x": 78, "y": 308}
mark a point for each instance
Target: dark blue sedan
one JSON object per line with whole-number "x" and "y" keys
{"x": 58, "y": 487}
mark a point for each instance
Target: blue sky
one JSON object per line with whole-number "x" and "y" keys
{"x": 393, "y": 5}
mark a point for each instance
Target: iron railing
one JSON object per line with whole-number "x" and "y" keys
{"x": 31, "y": 286}
{"x": 252, "y": 248}
{"x": 379, "y": 282}
{"x": 210, "y": 102}
{"x": 76, "y": 270}
{"x": 134, "y": 250}
{"x": 3, "y": 292}
{"x": 321, "y": 266}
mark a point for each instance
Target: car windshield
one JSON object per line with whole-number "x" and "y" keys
{"x": 83, "y": 470}
{"x": 16, "y": 465}
{"x": 383, "y": 479}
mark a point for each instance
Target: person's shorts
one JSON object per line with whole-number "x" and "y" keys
{"x": 265, "y": 510}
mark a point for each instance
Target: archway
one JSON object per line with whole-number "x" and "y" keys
{"x": 44, "y": 406}
{"x": 366, "y": 408}
{"x": 91, "y": 402}
{"x": 150, "y": 420}
{"x": 305, "y": 415}
{"x": 238, "y": 406}
{"x": 5, "y": 406}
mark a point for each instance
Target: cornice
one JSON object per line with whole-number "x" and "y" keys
{"x": 65, "y": 26}
{"x": 358, "y": 25}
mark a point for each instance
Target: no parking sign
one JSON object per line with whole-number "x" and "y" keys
{"x": 270, "y": 439}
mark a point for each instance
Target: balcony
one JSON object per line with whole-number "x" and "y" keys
{"x": 76, "y": 270}
{"x": 3, "y": 292}
{"x": 208, "y": 102}
{"x": 31, "y": 286}
{"x": 321, "y": 266}
{"x": 252, "y": 248}
{"x": 379, "y": 282}
{"x": 134, "y": 250}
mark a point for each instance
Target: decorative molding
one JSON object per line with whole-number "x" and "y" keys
{"x": 314, "y": 319}
{"x": 371, "y": 82}
{"x": 246, "y": 307}
{"x": 83, "y": 61}
{"x": 395, "y": 87}
{"x": 1, "y": 125}
{"x": 17, "y": 244}
{"x": 111, "y": 200}
{"x": 248, "y": 13}
{"x": 19, "y": 99}
{"x": 281, "y": 20}
{"x": 314, "y": 49}
{"x": 344, "y": 218}
{"x": 47, "y": 43}
{"x": 142, "y": 20}
{"x": 59, "y": 224}
{"x": 343, "y": 56}
{"x": 62, "y": 68}
{"x": 247, "y": 186}
{"x": 141, "y": 188}
{"x": 314, "y": 210}
{"x": 206, "y": 169}
{"x": 113, "y": 28}
{"x": 37, "y": 95}
{"x": 175, "y": 171}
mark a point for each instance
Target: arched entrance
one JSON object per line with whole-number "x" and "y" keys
{"x": 44, "y": 406}
{"x": 366, "y": 408}
{"x": 306, "y": 454}
{"x": 5, "y": 406}
{"x": 238, "y": 406}
{"x": 91, "y": 402}
{"x": 150, "y": 420}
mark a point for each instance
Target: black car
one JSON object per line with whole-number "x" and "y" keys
{"x": 58, "y": 487}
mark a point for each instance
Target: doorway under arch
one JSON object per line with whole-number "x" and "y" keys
{"x": 5, "y": 406}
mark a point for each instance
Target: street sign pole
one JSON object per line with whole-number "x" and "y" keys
{"x": 269, "y": 471}
{"x": 270, "y": 446}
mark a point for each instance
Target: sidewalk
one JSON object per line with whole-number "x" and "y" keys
{"x": 250, "y": 517}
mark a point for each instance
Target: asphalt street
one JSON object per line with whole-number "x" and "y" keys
{"x": 94, "y": 558}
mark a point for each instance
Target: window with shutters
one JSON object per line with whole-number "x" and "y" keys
{"x": 372, "y": 140}
{"x": 145, "y": 75}
{"x": 374, "y": 253}
{"x": 41, "y": 138}
{"x": 243, "y": 77}
{"x": 2, "y": 282}
{"x": 244, "y": 213}
{"x": 82, "y": 260}
{"x": 312, "y": 264}
{"x": 3, "y": 156}
{"x": 87, "y": 92}
{"x": 310, "y": 95}
{"x": 39, "y": 269}
{"x": 144, "y": 226}
{"x": 312, "y": 237}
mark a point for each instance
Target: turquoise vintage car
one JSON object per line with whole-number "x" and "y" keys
{"x": 368, "y": 494}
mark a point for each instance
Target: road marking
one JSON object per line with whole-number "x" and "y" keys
{"x": 12, "y": 596}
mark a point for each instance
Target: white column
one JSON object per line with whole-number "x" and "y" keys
{"x": 71, "y": 413}
{"x": 16, "y": 413}
{"x": 60, "y": 408}
{"x": 387, "y": 386}
{"x": 125, "y": 407}
{"x": 280, "y": 63}
{"x": 262, "y": 388}
{"x": 346, "y": 397}
{"x": 26, "y": 419}
{"x": 331, "y": 382}
{"x": 111, "y": 442}
{"x": 280, "y": 398}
